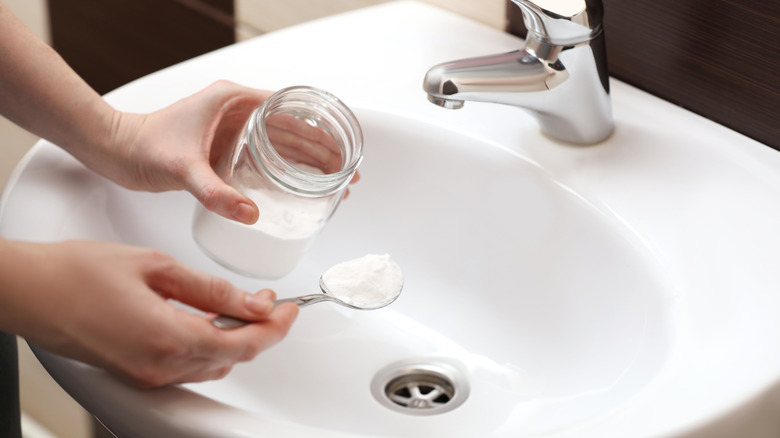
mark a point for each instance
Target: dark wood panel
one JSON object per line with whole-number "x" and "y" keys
{"x": 718, "y": 58}
{"x": 111, "y": 42}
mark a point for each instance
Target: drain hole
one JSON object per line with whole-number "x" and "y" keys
{"x": 403, "y": 393}
{"x": 444, "y": 398}
{"x": 420, "y": 388}
{"x": 426, "y": 389}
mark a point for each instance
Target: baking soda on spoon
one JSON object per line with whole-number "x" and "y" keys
{"x": 367, "y": 283}
{"x": 371, "y": 281}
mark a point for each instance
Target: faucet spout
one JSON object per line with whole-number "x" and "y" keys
{"x": 565, "y": 87}
{"x": 492, "y": 78}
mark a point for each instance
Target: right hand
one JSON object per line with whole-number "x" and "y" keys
{"x": 107, "y": 304}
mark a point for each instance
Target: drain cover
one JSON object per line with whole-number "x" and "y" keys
{"x": 420, "y": 387}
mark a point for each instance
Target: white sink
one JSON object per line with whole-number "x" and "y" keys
{"x": 623, "y": 289}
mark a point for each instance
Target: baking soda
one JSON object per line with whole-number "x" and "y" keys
{"x": 269, "y": 248}
{"x": 371, "y": 281}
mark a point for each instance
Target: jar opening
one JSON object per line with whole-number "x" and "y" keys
{"x": 311, "y": 141}
{"x": 305, "y": 142}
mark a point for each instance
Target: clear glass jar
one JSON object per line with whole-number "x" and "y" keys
{"x": 298, "y": 152}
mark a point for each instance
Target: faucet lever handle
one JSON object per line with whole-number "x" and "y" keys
{"x": 562, "y": 22}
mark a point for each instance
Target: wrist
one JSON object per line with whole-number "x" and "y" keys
{"x": 17, "y": 295}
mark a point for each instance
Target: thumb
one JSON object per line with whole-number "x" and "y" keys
{"x": 219, "y": 197}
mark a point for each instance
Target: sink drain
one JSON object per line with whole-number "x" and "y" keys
{"x": 420, "y": 387}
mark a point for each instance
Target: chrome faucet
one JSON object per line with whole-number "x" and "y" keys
{"x": 560, "y": 76}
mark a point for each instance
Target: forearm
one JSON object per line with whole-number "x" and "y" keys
{"x": 41, "y": 93}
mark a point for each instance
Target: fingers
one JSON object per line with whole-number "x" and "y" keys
{"x": 295, "y": 148}
{"x": 231, "y": 104}
{"x": 303, "y": 129}
{"x": 191, "y": 349}
{"x": 218, "y": 197}
{"x": 209, "y": 293}
{"x": 267, "y": 333}
{"x": 220, "y": 349}
{"x": 297, "y": 140}
{"x": 228, "y": 107}
{"x": 245, "y": 343}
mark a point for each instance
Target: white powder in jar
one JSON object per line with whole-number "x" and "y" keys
{"x": 369, "y": 282}
{"x": 271, "y": 247}
{"x": 249, "y": 250}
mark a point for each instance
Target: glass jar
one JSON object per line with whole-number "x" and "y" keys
{"x": 296, "y": 156}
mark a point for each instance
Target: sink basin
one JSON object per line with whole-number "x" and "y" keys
{"x": 622, "y": 289}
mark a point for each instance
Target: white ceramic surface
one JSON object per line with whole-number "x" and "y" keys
{"x": 623, "y": 289}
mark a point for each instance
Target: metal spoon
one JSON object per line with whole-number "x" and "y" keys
{"x": 229, "y": 322}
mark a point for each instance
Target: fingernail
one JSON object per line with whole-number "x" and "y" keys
{"x": 259, "y": 304}
{"x": 244, "y": 212}
{"x": 268, "y": 294}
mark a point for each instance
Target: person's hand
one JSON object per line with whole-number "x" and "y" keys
{"x": 170, "y": 149}
{"x": 176, "y": 147}
{"x": 108, "y": 305}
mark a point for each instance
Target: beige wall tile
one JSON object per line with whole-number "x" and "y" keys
{"x": 490, "y": 12}
{"x": 34, "y": 14}
{"x": 257, "y": 17}
{"x": 269, "y": 15}
{"x": 14, "y": 143}
{"x": 48, "y": 404}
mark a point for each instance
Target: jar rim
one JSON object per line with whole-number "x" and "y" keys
{"x": 284, "y": 172}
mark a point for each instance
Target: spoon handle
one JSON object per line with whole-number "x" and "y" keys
{"x": 304, "y": 300}
{"x": 229, "y": 322}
